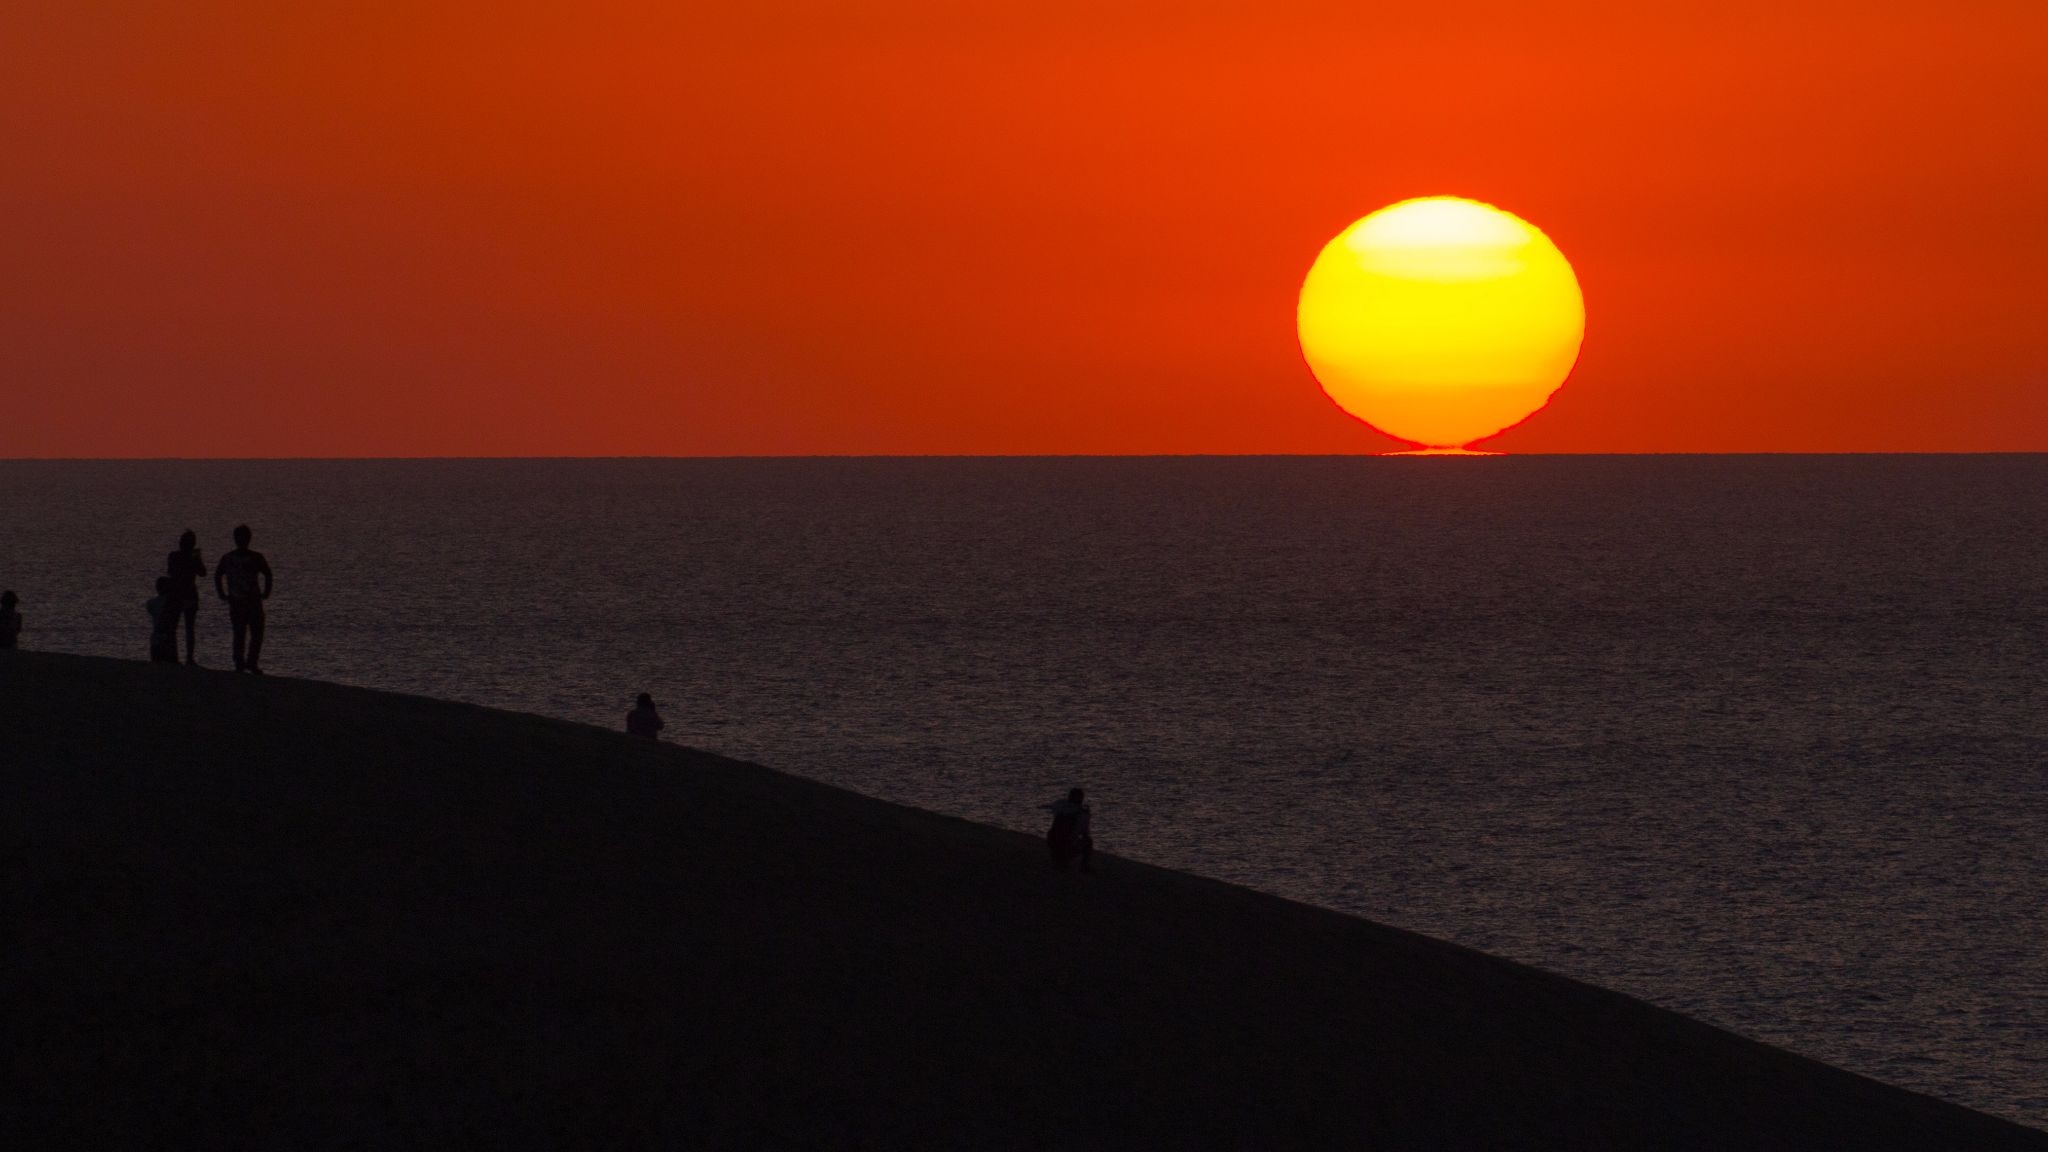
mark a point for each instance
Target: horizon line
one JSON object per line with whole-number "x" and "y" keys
{"x": 1389, "y": 455}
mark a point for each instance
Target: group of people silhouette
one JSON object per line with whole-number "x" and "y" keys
{"x": 242, "y": 578}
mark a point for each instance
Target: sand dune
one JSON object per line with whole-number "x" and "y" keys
{"x": 276, "y": 913}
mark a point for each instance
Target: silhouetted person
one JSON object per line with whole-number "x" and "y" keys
{"x": 242, "y": 578}
{"x": 185, "y": 567}
{"x": 643, "y": 720}
{"x": 163, "y": 623}
{"x": 1068, "y": 836}
{"x": 10, "y": 620}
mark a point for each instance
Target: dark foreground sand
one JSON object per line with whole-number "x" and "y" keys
{"x": 283, "y": 914}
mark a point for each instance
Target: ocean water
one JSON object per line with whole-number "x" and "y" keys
{"x": 1761, "y": 739}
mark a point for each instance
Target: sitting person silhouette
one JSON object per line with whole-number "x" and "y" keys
{"x": 1068, "y": 836}
{"x": 10, "y": 620}
{"x": 643, "y": 720}
{"x": 163, "y": 622}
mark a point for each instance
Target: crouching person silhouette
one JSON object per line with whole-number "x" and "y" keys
{"x": 643, "y": 720}
{"x": 1069, "y": 835}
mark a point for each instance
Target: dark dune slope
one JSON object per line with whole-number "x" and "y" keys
{"x": 276, "y": 913}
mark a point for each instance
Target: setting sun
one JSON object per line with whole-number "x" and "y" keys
{"x": 1441, "y": 320}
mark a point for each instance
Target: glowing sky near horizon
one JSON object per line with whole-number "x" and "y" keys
{"x": 453, "y": 227}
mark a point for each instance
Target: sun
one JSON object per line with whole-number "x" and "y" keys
{"x": 1441, "y": 321}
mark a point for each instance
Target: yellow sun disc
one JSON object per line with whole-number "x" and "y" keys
{"x": 1441, "y": 321}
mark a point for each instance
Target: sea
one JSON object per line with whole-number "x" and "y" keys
{"x": 1761, "y": 739}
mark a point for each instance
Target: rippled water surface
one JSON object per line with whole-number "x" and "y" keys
{"x": 1758, "y": 739}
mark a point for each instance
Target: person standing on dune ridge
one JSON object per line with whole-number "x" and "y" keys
{"x": 10, "y": 620}
{"x": 185, "y": 567}
{"x": 242, "y": 578}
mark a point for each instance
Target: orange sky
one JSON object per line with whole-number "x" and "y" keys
{"x": 1007, "y": 226}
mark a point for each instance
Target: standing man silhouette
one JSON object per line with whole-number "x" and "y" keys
{"x": 185, "y": 567}
{"x": 242, "y": 578}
